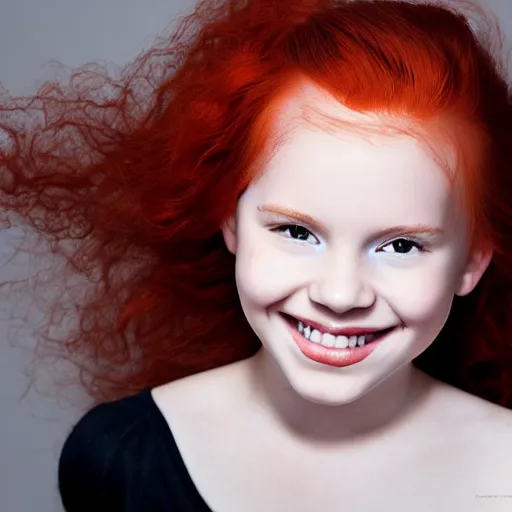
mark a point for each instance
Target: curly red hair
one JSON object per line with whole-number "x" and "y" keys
{"x": 130, "y": 179}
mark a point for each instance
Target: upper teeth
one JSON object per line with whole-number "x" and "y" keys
{"x": 329, "y": 340}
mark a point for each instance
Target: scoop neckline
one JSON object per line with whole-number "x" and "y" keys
{"x": 185, "y": 478}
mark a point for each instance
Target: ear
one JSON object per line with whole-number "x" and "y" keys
{"x": 479, "y": 260}
{"x": 229, "y": 233}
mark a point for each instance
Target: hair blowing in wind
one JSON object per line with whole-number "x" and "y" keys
{"x": 126, "y": 180}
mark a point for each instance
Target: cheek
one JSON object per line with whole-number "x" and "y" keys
{"x": 423, "y": 299}
{"x": 264, "y": 278}
{"x": 429, "y": 308}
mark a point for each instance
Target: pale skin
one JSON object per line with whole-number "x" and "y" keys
{"x": 280, "y": 432}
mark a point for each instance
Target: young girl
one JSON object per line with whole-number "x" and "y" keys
{"x": 294, "y": 222}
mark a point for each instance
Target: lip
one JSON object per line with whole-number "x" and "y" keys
{"x": 331, "y": 356}
{"x": 347, "y": 331}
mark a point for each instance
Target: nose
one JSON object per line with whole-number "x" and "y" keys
{"x": 341, "y": 284}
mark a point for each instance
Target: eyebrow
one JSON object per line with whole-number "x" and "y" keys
{"x": 295, "y": 215}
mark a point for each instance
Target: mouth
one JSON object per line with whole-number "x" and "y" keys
{"x": 339, "y": 350}
{"x": 325, "y": 339}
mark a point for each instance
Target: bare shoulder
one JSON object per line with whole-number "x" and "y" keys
{"x": 481, "y": 412}
{"x": 202, "y": 395}
{"x": 480, "y": 429}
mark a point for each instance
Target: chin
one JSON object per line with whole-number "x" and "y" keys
{"x": 334, "y": 399}
{"x": 328, "y": 388}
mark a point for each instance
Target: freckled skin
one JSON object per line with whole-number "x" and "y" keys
{"x": 345, "y": 275}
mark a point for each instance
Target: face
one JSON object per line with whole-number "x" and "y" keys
{"x": 347, "y": 241}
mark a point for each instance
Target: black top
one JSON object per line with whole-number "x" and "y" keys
{"x": 121, "y": 457}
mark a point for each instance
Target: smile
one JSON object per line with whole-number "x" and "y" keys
{"x": 339, "y": 341}
{"x": 336, "y": 338}
{"x": 335, "y": 350}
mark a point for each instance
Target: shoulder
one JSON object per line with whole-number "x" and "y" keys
{"x": 202, "y": 394}
{"x": 110, "y": 447}
{"x": 493, "y": 428}
{"x": 203, "y": 410}
{"x": 466, "y": 408}
{"x": 100, "y": 431}
{"x": 480, "y": 430}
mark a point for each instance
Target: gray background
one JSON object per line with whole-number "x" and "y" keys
{"x": 72, "y": 32}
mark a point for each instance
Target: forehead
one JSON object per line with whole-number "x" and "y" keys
{"x": 318, "y": 158}
{"x": 310, "y": 124}
{"x": 332, "y": 172}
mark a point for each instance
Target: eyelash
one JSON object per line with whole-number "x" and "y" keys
{"x": 421, "y": 246}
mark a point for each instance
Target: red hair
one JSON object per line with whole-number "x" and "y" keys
{"x": 129, "y": 179}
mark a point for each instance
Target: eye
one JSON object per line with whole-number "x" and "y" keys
{"x": 295, "y": 232}
{"x": 403, "y": 246}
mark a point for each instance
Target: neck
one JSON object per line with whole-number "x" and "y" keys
{"x": 390, "y": 404}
